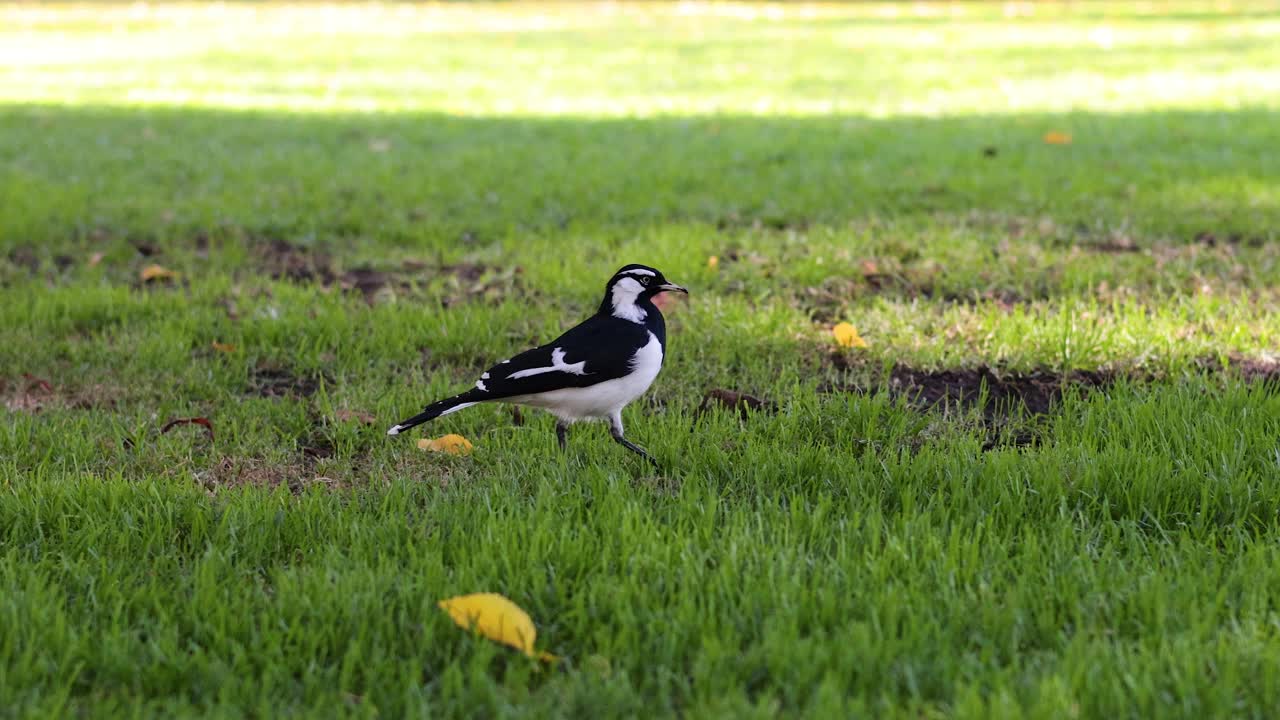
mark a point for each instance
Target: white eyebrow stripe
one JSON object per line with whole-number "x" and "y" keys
{"x": 638, "y": 271}
{"x": 557, "y": 365}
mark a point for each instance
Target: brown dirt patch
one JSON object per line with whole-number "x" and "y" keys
{"x": 1010, "y": 403}
{"x": 25, "y": 257}
{"x": 357, "y": 416}
{"x": 232, "y": 472}
{"x": 999, "y": 393}
{"x": 1249, "y": 369}
{"x": 32, "y": 394}
{"x": 282, "y": 260}
{"x": 993, "y": 391}
{"x": 833, "y": 298}
{"x": 1212, "y": 239}
{"x": 273, "y": 380}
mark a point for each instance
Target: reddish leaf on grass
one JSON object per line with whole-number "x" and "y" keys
{"x": 36, "y": 382}
{"x": 202, "y": 421}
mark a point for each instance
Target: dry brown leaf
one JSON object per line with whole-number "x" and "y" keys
{"x": 734, "y": 400}
{"x": 95, "y": 258}
{"x": 224, "y": 347}
{"x": 360, "y": 416}
{"x": 1055, "y": 137}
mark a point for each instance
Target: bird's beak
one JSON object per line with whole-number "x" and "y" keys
{"x": 672, "y": 287}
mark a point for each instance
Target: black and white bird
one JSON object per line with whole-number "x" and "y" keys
{"x": 589, "y": 373}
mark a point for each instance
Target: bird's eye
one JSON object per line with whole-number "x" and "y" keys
{"x": 644, "y": 281}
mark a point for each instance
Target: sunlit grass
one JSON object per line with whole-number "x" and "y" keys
{"x": 646, "y": 59}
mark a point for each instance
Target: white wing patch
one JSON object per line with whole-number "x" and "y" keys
{"x": 480, "y": 385}
{"x": 557, "y": 365}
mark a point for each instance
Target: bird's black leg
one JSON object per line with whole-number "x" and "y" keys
{"x": 562, "y": 433}
{"x": 615, "y": 429}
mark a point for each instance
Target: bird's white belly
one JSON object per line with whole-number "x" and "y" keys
{"x": 602, "y": 399}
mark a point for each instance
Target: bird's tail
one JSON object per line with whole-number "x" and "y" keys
{"x": 435, "y": 410}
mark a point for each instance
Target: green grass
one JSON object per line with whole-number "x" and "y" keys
{"x": 851, "y": 554}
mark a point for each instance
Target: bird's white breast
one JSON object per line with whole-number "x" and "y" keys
{"x": 605, "y": 398}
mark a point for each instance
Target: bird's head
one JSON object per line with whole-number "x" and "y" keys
{"x": 630, "y": 292}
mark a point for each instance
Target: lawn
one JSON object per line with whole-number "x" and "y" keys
{"x": 1049, "y": 485}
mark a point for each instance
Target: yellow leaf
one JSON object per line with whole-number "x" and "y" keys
{"x": 224, "y": 347}
{"x": 451, "y": 443}
{"x": 1054, "y": 137}
{"x": 847, "y": 336}
{"x": 496, "y": 618}
{"x": 713, "y": 262}
{"x": 152, "y": 273}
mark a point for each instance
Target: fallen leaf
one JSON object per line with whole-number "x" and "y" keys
{"x": 451, "y": 443}
{"x": 496, "y": 618}
{"x": 95, "y": 258}
{"x": 202, "y": 421}
{"x": 224, "y": 347}
{"x": 153, "y": 273}
{"x": 846, "y": 335}
{"x": 734, "y": 400}
{"x": 1054, "y": 137}
{"x": 713, "y": 262}
{"x": 38, "y": 382}
{"x": 363, "y": 418}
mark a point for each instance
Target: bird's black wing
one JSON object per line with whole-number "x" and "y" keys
{"x": 599, "y": 349}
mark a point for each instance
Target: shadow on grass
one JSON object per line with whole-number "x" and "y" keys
{"x": 442, "y": 182}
